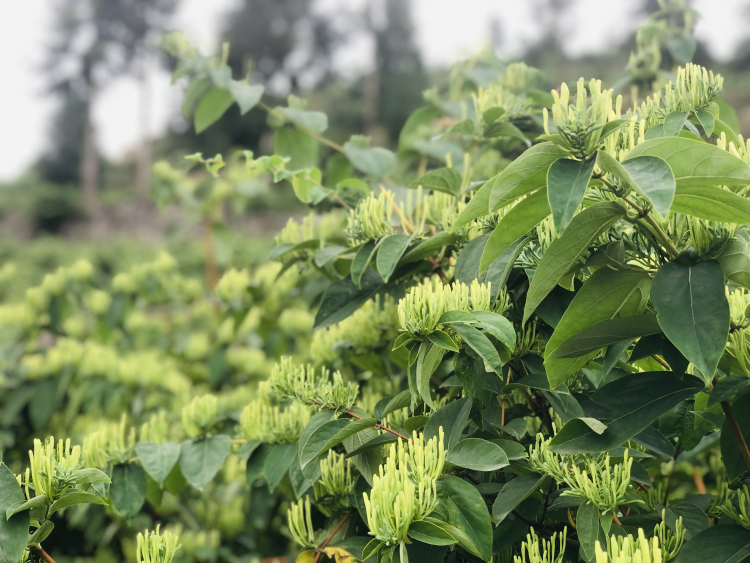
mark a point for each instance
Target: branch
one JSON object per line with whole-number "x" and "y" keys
{"x": 355, "y": 415}
{"x": 666, "y": 241}
{"x": 328, "y": 539}
{"x": 538, "y": 410}
{"x": 738, "y": 436}
{"x": 44, "y": 555}
{"x": 309, "y": 132}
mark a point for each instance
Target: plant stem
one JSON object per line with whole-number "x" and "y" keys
{"x": 355, "y": 415}
{"x": 328, "y": 539}
{"x": 309, "y": 132}
{"x": 44, "y": 555}
{"x": 736, "y": 430}
{"x": 666, "y": 241}
{"x": 662, "y": 361}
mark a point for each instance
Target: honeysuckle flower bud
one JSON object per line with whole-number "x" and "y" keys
{"x": 300, "y": 524}
{"x": 737, "y": 506}
{"x": 157, "y": 429}
{"x": 153, "y": 547}
{"x": 540, "y": 550}
{"x": 371, "y": 219}
{"x": 627, "y": 549}
{"x": 232, "y": 287}
{"x": 335, "y": 484}
{"x": 273, "y": 424}
{"x": 51, "y": 465}
{"x": 97, "y": 301}
{"x": 296, "y": 321}
{"x": 294, "y": 232}
{"x": 670, "y": 542}
{"x": 113, "y": 443}
{"x": 309, "y": 386}
{"x": 199, "y": 416}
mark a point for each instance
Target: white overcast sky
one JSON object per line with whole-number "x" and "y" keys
{"x": 446, "y": 30}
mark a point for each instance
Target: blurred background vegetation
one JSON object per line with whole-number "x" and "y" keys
{"x": 73, "y": 201}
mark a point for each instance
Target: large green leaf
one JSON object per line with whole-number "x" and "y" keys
{"x": 467, "y": 263}
{"x": 564, "y": 251}
{"x": 446, "y": 180}
{"x": 635, "y": 401}
{"x": 498, "y": 326}
{"x": 428, "y": 361}
{"x": 328, "y": 435}
{"x": 566, "y": 184}
{"x": 478, "y": 455}
{"x": 478, "y": 205}
{"x": 158, "y": 459}
{"x": 605, "y": 333}
{"x": 246, "y": 95}
{"x": 342, "y": 298}
{"x": 735, "y": 262}
{"x": 430, "y": 533}
{"x": 14, "y": 531}
{"x": 391, "y": 250}
{"x": 77, "y": 496}
{"x": 695, "y": 163}
{"x": 524, "y": 175}
{"x": 362, "y": 261}
{"x": 712, "y": 204}
{"x": 526, "y": 215}
{"x": 468, "y": 513}
{"x": 453, "y": 418}
{"x": 650, "y": 176}
{"x": 604, "y": 296}
{"x": 693, "y": 311}
{"x": 481, "y": 345}
{"x": 718, "y": 544}
{"x": 514, "y": 493}
{"x": 277, "y": 462}
{"x": 211, "y": 107}
{"x": 429, "y": 246}
{"x": 372, "y": 161}
{"x": 128, "y": 489}
{"x": 367, "y": 461}
{"x": 730, "y": 451}
{"x": 587, "y": 526}
{"x": 200, "y": 460}
{"x": 694, "y": 520}
{"x": 301, "y": 149}
{"x": 314, "y": 120}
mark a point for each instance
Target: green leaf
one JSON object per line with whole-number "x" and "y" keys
{"x": 566, "y": 184}
{"x": 441, "y": 339}
{"x": 498, "y": 326}
{"x": 211, "y": 107}
{"x": 367, "y": 461}
{"x": 75, "y": 496}
{"x": 649, "y": 176}
{"x": 465, "y": 127}
{"x": 478, "y": 455}
{"x": 14, "y": 531}
{"x": 328, "y": 435}
{"x": 196, "y": 88}
{"x": 467, "y": 512}
{"x": 246, "y": 95}
{"x": 481, "y": 345}
{"x": 682, "y": 48}
{"x": 635, "y": 400}
{"x": 398, "y": 402}
{"x": 429, "y": 359}
{"x": 605, "y": 333}
{"x": 694, "y": 519}
{"x": 453, "y": 418}
{"x": 430, "y": 534}
{"x": 693, "y": 311}
{"x": 478, "y": 205}
{"x": 564, "y": 251}
{"x": 372, "y": 161}
{"x": 492, "y": 114}
{"x": 467, "y": 264}
{"x": 695, "y": 163}
{"x": 718, "y": 544}
{"x": 277, "y": 462}
{"x": 127, "y": 491}
{"x": 446, "y": 180}
{"x": 674, "y": 122}
{"x": 200, "y": 460}
{"x": 707, "y": 120}
{"x": 89, "y": 475}
{"x": 304, "y": 184}
{"x": 158, "y": 459}
{"x": 342, "y": 298}
{"x": 15, "y": 508}
{"x": 505, "y": 129}
{"x": 316, "y": 421}
{"x": 524, "y": 175}
{"x": 391, "y": 250}
{"x": 727, "y": 388}
{"x": 314, "y": 120}
{"x": 514, "y": 224}
{"x": 587, "y": 526}
{"x": 451, "y": 317}
{"x": 514, "y": 493}
{"x": 735, "y": 262}
{"x": 712, "y": 204}
{"x": 362, "y": 261}
{"x": 429, "y": 246}
{"x": 299, "y": 148}
{"x": 730, "y": 451}
{"x": 612, "y": 127}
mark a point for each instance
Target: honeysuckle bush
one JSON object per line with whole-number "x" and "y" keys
{"x": 529, "y": 338}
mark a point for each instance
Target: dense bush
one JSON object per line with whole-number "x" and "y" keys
{"x": 548, "y": 365}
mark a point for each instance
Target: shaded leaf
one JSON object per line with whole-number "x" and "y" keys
{"x": 127, "y": 491}
{"x": 566, "y": 184}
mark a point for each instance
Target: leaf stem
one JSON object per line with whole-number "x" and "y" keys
{"x": 44, "y": 555}
{"x": 381, "y": 426}
{"x": 328, "y": 539}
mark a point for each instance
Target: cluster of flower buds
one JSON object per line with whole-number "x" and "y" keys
{"x": 114, "y": 443}
{"x": 500, "y": 96}
{"x": 157, "y": 429}
{"x": 580, "y": 126}
{"x": 404, "y": 490}
{"x": 695, "y": 89}
{"x": 199, "y": 416}
{"x": 539, "y": 550}
{"x": 670, "y": 542}
{"x": 310, "y": 386}
{"x": 420, "y": 310}
{"x": 627, "y": 549}
{"x": 153, "y": 547}
{"x": 603, "y": 485}
{"x": 232, "y": 287}
{"x": 335, "y": 485}
{"x": 371, "y": 219}
{"x": 273, "y": 424}
{"x": 737, "y": 506}
{"x": 299, "y": 519}
{"x": 51, "y": 465}
{"x": 738, "y": 343}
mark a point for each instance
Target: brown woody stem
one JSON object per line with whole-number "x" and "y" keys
{"x": 44, "y": 555}
{"x": 736, "y": 430}
{"x": 328, "y": 539}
